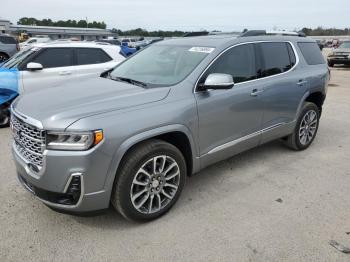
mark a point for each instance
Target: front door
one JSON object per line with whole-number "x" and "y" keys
{"x": 230, "y": 120}
{"x": 57, "y": 68}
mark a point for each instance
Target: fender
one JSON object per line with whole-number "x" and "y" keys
{"x": 302, "y": 101}
{"x": 127, "y": 144}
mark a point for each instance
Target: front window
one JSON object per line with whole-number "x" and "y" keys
{"x": 239, "y": 62}
{"x": 345, "y": 45}
{"x": 161, "y": 65}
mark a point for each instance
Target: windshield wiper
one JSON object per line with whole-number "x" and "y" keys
{"x": 130, "y": 81}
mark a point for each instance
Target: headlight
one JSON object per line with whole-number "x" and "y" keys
{"x": 77, "y": 141}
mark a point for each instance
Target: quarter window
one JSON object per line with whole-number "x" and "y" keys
{"x": 87, "y": 56}
{"x": 311, "y": 53}
{"x": 277, "y": 58}
{"x": 54, "y": 57}
{"x": 238, "y": 61}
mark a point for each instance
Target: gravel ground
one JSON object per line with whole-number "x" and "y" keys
{"x": 268, "y": 204}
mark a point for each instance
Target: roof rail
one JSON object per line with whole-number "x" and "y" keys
{"x": 264, "y": 32}
{"x": 201, "y": 33}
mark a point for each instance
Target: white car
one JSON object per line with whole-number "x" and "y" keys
{"x": 48, "y": 65}
{"x": 34, "y": 40}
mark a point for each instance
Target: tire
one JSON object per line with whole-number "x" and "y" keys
{"x": 308, "y": 119}
{"x": 136, "y": 174}
{"x": 4, "y": 118}
{"x": 3, "y": 57}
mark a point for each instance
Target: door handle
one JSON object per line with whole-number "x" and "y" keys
{"x": 64, "y": 73}
{"x": 256, "y": 92}
{"x": 301, "y": 82}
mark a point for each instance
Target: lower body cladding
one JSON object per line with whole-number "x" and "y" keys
{"x": 68, "y": 181}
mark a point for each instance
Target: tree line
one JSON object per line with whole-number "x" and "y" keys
{"x": 61, "y": 23}
{"x": 145, "y": 33}
{"x": 320, "y": 31}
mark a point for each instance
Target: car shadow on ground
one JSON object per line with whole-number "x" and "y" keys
{"x": 110, "y": 219}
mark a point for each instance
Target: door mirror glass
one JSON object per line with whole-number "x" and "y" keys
{"x": 34, "y": 66}
{"x": 218, "y": 81}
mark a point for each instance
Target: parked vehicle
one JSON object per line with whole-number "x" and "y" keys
{"x": 8, "y": 47}
{"x": 129, "y": 41}
{"x": 320, "y": 44}
{"x": 110, "y": 41}
{"x": 34, "y": 40}
{"x": 340, "y": 55}
{"x": 132, "y": 136}
{"x": 8, "y": 92}
{"x": 126, "y": 50}
{"x": 48, "y": 65}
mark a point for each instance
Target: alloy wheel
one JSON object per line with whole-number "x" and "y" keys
{"x": 308, "y": 127}
{"x": 155, "y": 184}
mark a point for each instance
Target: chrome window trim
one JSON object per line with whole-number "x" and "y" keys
{"x": 244, "y": 138}
{"x": 246, "y": 43}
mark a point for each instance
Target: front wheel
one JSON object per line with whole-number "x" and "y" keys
{"x": 306, "y": 128}
{"x": 149, "y": 181}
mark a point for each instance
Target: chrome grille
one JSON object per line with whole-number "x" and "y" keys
{"x": 29, "y": 141}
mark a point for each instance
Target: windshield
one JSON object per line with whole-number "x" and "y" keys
{"x": 14, "y": 61}
{"x": 161, "y": 65}
{"x": 345, "y": 45}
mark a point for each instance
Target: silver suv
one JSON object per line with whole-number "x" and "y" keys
{"x": 133, "y": 135}
{"x": 8, "y": 47}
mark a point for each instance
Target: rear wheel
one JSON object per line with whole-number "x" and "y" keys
{"x": 306, "y": 128}
{"x": 150, "y": 181}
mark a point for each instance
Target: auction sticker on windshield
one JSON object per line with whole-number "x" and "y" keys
{"x": 201, "y": 49}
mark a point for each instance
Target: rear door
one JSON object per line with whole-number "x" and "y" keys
{"x": 57, "y": 68}
{"x": 283, "y": 87}
{"x": 92, "y": 62}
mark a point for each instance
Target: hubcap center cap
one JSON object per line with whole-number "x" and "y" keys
{"x": 155, "y": 183}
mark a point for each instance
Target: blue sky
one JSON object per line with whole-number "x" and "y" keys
{"x": 223, "y": 15}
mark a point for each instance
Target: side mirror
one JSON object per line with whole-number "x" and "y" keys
{"x": 217, "y": 81}
{"x": 34, "y": 66}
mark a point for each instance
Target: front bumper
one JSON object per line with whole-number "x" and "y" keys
{"x": 52, "y": 183}
{"x": 339, "y": 59}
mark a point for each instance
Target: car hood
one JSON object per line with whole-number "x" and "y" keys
{"x": 59, "y": 107}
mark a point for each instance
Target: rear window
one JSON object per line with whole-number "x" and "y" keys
{"x": 87, "y": 56}
{"x": 7, "y": 40}
{"x": 311, "y": 53}
{"x": 277, "y": 57}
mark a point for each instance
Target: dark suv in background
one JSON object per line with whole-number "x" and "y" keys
{"x": 8, "y": 47}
